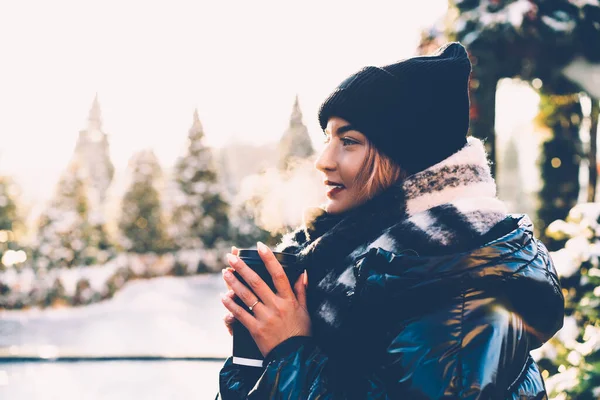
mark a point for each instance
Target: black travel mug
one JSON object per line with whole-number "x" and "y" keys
{"x": 245, "y": 350}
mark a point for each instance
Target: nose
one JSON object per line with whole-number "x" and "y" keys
{"x": 326, "y": 160}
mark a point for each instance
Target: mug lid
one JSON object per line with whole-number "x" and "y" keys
{"x": 283, "y": 258}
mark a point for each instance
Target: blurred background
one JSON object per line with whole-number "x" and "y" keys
{"x": 140, "y": 140}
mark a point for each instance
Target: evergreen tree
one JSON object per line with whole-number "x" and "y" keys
{"x": 65, "y": 237}
{"x": 92, "y": 155}
{"x": 142, "y": 224}
{"x": 200, "y": 218}
{"x": 96, "y": 170}
{"x": 295, "y": 142}
{"x": 8, "y": 208}
{"x": 8, "y": 218}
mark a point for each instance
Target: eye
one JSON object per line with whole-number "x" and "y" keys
{"x": 348, "y": 142}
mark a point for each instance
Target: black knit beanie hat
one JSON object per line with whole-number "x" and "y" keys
{"x": 416, "y": 111}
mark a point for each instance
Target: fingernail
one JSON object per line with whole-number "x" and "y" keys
{"x": 262, "y": 249}
{"x": 231, "y": 259}
{"x": 305, "y": 277}
{"x": 227, "y": 274}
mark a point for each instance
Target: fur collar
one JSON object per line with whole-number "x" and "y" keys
{"x": 464, "y": 175}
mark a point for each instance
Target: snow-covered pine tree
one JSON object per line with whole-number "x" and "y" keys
{"x": 8, "y": 219}
{"x": 295, "y": 142}
{"x": 200, "y": 217}
{"x": 8, "y": 208}
{"x": 96, "y": 170}
{"x": 142, "y": 223}
{"x": 65, "y": 237}
{"x": 93, "y": 157}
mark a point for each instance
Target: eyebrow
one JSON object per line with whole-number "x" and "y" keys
{"x": 344, "y": 129}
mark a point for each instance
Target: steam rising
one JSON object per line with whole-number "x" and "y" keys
{"x": 278, "y": 198}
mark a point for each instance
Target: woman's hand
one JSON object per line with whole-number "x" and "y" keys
{"x": 228, "y": 318}
{"x": 276, "y": 316}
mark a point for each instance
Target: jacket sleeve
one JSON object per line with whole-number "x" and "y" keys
{"x": 236, "y": 381}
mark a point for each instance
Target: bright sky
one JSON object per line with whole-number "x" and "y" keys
{"x": 152, "y": 62}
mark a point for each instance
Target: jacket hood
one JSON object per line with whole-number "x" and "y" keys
{"x": 515, "y": 267}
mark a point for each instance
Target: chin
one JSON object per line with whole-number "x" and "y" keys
{"x": 330, "y": 208}
{"x": 333, "y": 207}
{"x": 338, "y": 206}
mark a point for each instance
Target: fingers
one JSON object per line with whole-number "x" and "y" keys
{"x": 227, "y": 284}
{"x": 257, "y": 285}
{"x": 235, "y": 251}
{"x": 229, "y": 320}
{"x": 240, "y": 290}
{"x": 280, "y": 280}
{"x": 238, "y": 312}
{"x": 300, "y": 289}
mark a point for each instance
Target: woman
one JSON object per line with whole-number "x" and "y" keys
{"x": 420, "y": 285}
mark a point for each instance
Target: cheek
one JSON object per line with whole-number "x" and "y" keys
{"x": 353, "y": 166}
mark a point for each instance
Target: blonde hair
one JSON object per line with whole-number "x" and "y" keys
{"x": 377, "y": 173}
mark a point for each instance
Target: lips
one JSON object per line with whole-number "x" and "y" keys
{"x": 332, "y": 184}
{"x": 333, "y": 188}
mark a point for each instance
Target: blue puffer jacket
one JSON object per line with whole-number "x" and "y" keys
{"x": 454, "y": 326}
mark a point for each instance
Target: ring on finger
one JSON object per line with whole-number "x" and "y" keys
{"x": 253, "y": 304}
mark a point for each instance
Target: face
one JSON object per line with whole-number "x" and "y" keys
{"x": 340, "y": 162}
